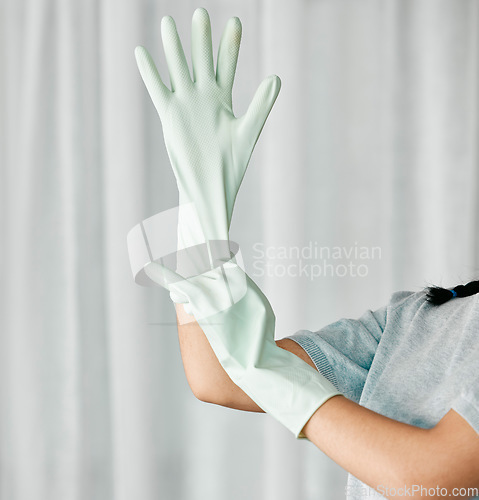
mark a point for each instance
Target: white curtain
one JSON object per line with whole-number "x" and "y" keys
{"x": 372, "y": 144}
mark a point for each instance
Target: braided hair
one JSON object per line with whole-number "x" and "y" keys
{"x": 436, "y": 295}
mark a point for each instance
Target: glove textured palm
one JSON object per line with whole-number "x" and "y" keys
{"x": 209, "y": 148}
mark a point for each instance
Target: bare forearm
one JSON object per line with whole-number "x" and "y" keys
{"x": 382, "y": 452}
{"x": 368, "y": 445}
{"x": 206, "y": 377}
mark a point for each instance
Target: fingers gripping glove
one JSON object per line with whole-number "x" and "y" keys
{"x": 239, "y": 323}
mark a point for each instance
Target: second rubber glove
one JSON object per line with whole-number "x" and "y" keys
{"x": 239, "y": 323}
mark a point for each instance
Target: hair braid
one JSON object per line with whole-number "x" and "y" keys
{"x": 437, "y": 295}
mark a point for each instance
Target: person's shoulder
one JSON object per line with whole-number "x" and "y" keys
{"x": 408, "y": 303}
{"x": 402, "y": 297}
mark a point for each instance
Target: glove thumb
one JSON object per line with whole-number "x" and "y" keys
{"x": 252, "y": 122}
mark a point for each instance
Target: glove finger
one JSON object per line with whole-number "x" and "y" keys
{"x": 159, "y": 93}
{"x": 228, "y": 53}
{"x": 201, "y": 46}
{"x": 178, "y": 298}
{"x": 162, "y": 275}
{"x": 252, "y": 122}
{"x": 169, "y": 279}
{"x": 175, "y": 56}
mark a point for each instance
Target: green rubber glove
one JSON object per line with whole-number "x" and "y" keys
{"x": 239, "y": 323}
{"x": 209, "y": 148}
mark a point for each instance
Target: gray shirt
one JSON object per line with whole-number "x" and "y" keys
{"x": 409, "y": 360}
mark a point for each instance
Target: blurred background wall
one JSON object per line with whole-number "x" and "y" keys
{"x": 373, "y": 143}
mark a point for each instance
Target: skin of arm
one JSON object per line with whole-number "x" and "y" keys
{"x": 384, "y": 453}
{"x": 381, "y": 452}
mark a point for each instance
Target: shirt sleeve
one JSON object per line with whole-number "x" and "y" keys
{"x": 467, "y": 404}
{"x": 344, "y": 350}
